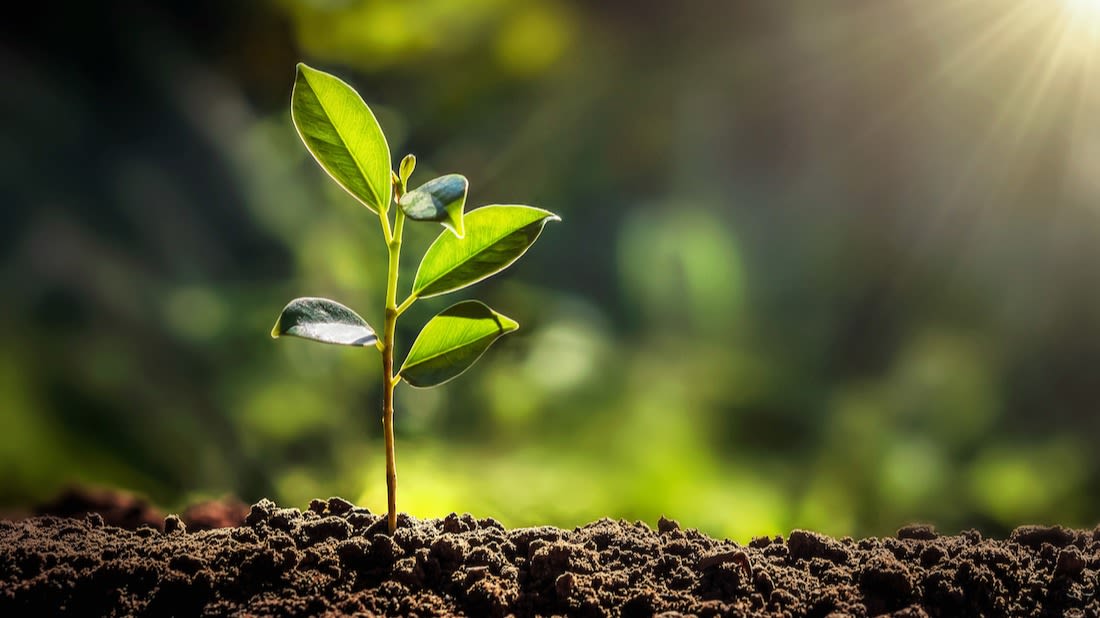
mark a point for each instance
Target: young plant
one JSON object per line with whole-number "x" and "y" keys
{"x": 341, "y": 132}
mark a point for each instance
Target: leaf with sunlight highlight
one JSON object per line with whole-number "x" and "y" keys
{"x": 496, "y": 236}
{"x": 327, "y": 321}
{"x": 452, "y": 341}
{"x": 341, "y": 132}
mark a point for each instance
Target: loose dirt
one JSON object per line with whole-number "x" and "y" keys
{"x": 336, "y": 559}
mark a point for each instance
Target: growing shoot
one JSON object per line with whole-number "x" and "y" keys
{"x": 342, "y": 134}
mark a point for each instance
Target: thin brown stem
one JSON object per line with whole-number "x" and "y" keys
{"x": 388, "y": 385}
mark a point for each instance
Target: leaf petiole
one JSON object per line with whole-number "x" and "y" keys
{"x": 385, "y": 219}
{"x": 406, "y": 304}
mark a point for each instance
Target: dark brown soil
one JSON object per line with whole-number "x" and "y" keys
{"x": 336, "y": 559}
{"x": 125, "y": 510}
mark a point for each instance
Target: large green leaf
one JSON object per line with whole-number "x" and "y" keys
{"x": 496, "y": 236}
{"x": 440, "y": 199}
{"x": 452, "y": 341}
{"x": 323, "y": 320}
{"x": 342, "y": 134}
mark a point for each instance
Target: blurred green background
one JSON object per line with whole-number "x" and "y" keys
{"x": 823, "y": 264}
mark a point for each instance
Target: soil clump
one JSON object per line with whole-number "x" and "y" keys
{"x": 337, "y": 559}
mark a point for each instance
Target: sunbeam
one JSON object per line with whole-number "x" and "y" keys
{"x": 1083, "y": 9}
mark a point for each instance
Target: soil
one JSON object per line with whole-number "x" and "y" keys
{"x": 126, "y": 510}
{"x": 337, "y": 559}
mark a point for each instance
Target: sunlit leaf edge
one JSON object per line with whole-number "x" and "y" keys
{"x": 418, "y": 290}
{"x": 374, "y": 203}
{"x": 349, "y": 318}
{"x": 506, "y": 324}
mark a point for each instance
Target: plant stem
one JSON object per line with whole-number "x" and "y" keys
{"x": 405, "y": 305}
{"x": 389, "y": 380}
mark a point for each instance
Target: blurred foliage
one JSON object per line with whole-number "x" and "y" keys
{"x": 822, "y": 265}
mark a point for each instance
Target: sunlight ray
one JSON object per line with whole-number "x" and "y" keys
{"x": 975, "y": 56}
{"x": 1054, "y": 65}
{"x": 1083, "y": 10}
{"x": 1001, "y": 140}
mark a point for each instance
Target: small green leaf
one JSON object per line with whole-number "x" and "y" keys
{"x": 323, "y": 320}
{"x": 440, "y": 199}
{"x": 342, "y": 134}
{"x": 496, "y": 236}
{"x": 452, "y": 341}
{"x": 408, "y": 164}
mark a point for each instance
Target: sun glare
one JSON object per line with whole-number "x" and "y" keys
{"x": 1083, "y": 9}
{"x": 1084, "y": 18}
{"x": 1038, "y": 64}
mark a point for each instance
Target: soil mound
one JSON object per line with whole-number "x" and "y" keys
{"x": 337, "y": 559}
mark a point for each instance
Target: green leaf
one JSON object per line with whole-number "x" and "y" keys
{"x": 408, "y": 164}
{"x": 440, "y": 199}
{"x": 323, "y": 320}
{"x": 452, "y": 341}
{"x": 342, "y": 134}
{"x": 496, "y": 236}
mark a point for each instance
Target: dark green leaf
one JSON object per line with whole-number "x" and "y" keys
{"x": 323, "y": 320}
{"x": 496, "y": 236}
{"x": 342, "y": 134}
{"x": 440, "y": 199}
{"x": 452, "y": 341}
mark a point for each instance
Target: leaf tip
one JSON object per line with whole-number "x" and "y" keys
{"x": 504, "y": 323}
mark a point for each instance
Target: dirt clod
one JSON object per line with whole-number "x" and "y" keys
{"x": 805, "y": 545}
{"x": 665, "y": 525}
{"x": 338, "y": 559}
{"x": 1070, "y": 563}
{"x": 917, "y": 532}
{"x": 1035, "y": 536}
{"x": 174, "y": 525}
{"x": 738, "y": 557}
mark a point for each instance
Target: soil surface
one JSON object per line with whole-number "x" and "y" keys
{"x": 336, "y": 559}
{"x": 125, "y": 510}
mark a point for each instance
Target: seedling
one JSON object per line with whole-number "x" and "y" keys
{"x": 344, "y": 137}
